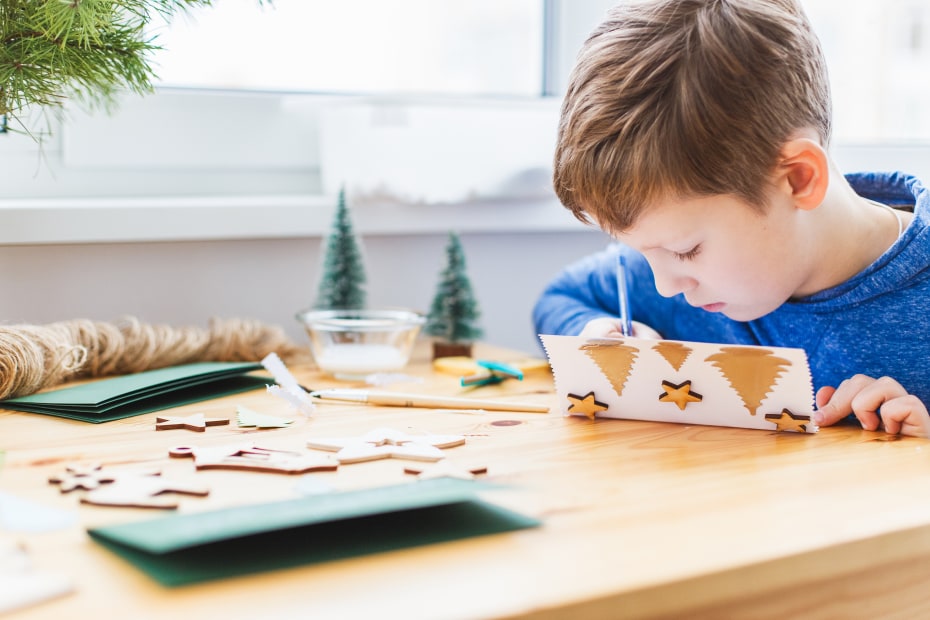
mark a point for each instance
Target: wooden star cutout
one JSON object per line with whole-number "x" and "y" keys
{"x": 254, "y": 458}
{"x": 586, "y": 404}
{"x": 197, "y": 422}
{"x": 445, "y": 469}
{"x": 385, "y": 443}
{"x": 680, "y": 394}
{"x": 787, "y": 421}
{"x": 141, "y": 491}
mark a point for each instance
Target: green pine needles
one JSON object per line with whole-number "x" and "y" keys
{"x": 453, "y": 315}
{"x": 86, "y": 49}
{"x": 342, "y": 285}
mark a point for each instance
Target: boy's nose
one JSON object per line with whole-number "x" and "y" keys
{"x": 669, "y": 284}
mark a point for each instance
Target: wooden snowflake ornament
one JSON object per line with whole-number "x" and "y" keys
{"x": 385, "y": 443}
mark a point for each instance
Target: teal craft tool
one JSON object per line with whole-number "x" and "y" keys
{"x": 497, "y": 372}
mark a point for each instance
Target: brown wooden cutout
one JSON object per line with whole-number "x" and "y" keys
{"x": 86, "y": 477}
{"x": 197, "y": 422}
{"x": 254, "y": 458}
{"x": 141, "y": 491}
{"x": 787, "y": 421}
{"x": 90, "y": 477}
{"x": 445, "y": 469}
{"x": 679, "y": 394}
{"x": 385, "y": 443}
{"x": 587, "y": 404}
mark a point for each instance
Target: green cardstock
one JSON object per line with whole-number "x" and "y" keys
{"x": 190, "y": 548}
{"x": 153, "y": 390}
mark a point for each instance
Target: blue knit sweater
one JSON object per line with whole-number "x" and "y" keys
{"x": 877, "y": 323}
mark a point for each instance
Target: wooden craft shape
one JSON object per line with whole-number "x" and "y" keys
{"x": 90, "y": 476}
{"x": 445, "y": 469}
{"x": 250, "y": 457}
{"x": 384, "y": 443}
{"x": 87, "y": 477}
{"x": 587, "y": 405}
{"x": 685, "y": 382}
{"x": 196, "y": 422}
{"x": 141, "y": 491}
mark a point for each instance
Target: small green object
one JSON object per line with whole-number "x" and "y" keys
{"x": 454, "y": 313}
{"x": 143, "y": 392}
{"x": 201, "y": 546}
{"x": 248, "y": 418}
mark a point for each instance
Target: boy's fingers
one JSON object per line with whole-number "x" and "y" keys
{"x": 641, "y": 330}
{"x": 833, "y": 407}
{"x": 906, "y": 415}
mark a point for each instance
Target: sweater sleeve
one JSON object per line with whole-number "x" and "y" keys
{"x": 582, "y": 291}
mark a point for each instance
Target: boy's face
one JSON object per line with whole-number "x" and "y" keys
{"x": 723, "y": 255}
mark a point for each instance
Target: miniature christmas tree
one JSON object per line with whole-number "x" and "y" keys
{"x": 90, "y": 50}
{"x": 454, "y": 313}
{"x": 342, "y": 285}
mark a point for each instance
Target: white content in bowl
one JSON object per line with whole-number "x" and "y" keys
{"x": 360, "y": 358}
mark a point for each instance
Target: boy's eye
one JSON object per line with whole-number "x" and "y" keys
{"x": 690, "y": 254}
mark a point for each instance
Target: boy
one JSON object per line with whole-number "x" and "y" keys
{"x": 695, "y": 132}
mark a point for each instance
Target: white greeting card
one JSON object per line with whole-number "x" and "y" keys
{"x": 766, "y": 388}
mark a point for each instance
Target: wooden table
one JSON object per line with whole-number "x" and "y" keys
{"x": 639, "y": 519}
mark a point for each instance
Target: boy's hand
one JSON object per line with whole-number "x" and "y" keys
{"x": 863, "y": 396}
{"x": 610, "y": 328}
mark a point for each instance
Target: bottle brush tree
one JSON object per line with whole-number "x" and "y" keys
{"x": 342, "y": 283}
{"x": 453, "y": 314}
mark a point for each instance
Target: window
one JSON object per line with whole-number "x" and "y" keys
{"x": 878, "y": 55}
{"x": 483, "y": 47}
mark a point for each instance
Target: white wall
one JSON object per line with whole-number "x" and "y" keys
{"x": 186, "y": 283}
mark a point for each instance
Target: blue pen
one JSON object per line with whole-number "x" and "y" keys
{"x": 623, "y": 295}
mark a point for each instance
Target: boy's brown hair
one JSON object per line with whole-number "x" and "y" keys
{"x": 686, "y": 98}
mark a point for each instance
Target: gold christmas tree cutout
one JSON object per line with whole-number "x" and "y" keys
{"x": 614, "y": 359}
{"x": 751, "y": 372}
{"x": 679, "y": 394}
{"x": 675, "y": 353}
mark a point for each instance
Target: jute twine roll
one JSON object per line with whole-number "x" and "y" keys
{"x": 34, "y": 357}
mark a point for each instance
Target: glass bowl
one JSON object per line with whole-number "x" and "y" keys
{"x": 351, "y": 344}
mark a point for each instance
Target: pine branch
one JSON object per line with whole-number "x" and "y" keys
{"x": 53, "y": 50}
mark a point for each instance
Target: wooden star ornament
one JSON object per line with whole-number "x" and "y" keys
{"x": 197, "y": 422}
{"x": 142, "y": 491}
{"x": 250, "y": 457}
{"x": 587, "y": 405}
{"x": 788, "y": 421}
{"x": 679, "y": 394}
{"x": 385, "y": 443}
{"x": 444, "y": 469}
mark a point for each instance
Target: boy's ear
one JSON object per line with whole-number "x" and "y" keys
{"x": 804, "y": 171}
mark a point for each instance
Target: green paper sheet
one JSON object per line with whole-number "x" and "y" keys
{"x": 185, "y": 549}
{"x": 152, "y": 390}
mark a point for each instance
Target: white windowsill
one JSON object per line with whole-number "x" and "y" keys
{"x": 116, "y": 220}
